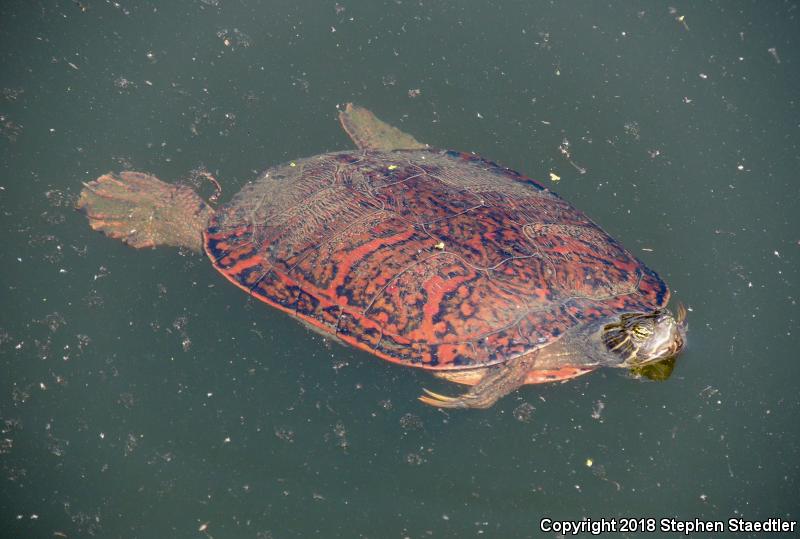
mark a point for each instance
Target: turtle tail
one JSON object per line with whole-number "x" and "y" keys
{"x": 142, "y": 211}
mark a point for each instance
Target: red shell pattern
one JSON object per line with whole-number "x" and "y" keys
{"x": 428, "y": 258}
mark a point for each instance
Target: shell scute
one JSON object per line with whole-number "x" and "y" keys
{"x": 486, "y": 237}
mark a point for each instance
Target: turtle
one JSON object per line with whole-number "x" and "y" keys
{"x": 428, "y": 258}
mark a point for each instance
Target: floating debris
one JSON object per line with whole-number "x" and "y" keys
{"x": 632, "y": 129}
{"x": 9, "y": 129}
{"x": 414, "y": 459}
{"x": 123, "y": 84}
{"x": 597, "y": 412}
{"x": 410, "y": 422}
{"x": 680, "y": 18}
{"x": 11, "y": 94}
{"x": 341, "y": 436}
{"x": 234, "y": 38}
{"x": 524, "y": 412}
{"x": 285, "y": 434}
{"x": 564, "y": 149}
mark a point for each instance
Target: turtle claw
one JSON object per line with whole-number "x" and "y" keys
{"x": 431, "y": 402}
{"x": 442, "y": 401}
{"x": 482, "y": 395}
{"x": 438, "y": 396}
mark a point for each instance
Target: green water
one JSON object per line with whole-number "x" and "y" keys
{"x": 142, "y": 396}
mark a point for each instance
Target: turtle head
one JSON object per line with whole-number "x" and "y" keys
{"x": 642, "y": 338}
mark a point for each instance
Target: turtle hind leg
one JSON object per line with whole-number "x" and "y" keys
{"x": 142, "y": 211}
{"x": 468, "y": 377}
{"x": 369, "y": 133}
{"x": 498, "y": 381}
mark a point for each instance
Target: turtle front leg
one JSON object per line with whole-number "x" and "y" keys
{"x": 370, "y": 133}
{"x": 499, "y": 381}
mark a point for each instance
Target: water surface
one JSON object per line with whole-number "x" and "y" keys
{"x": 142, "y": 396}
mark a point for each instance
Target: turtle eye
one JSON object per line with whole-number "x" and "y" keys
{"x": 642, "y": 331}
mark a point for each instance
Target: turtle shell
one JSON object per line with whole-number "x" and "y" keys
{"x": 427, "y": 258}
